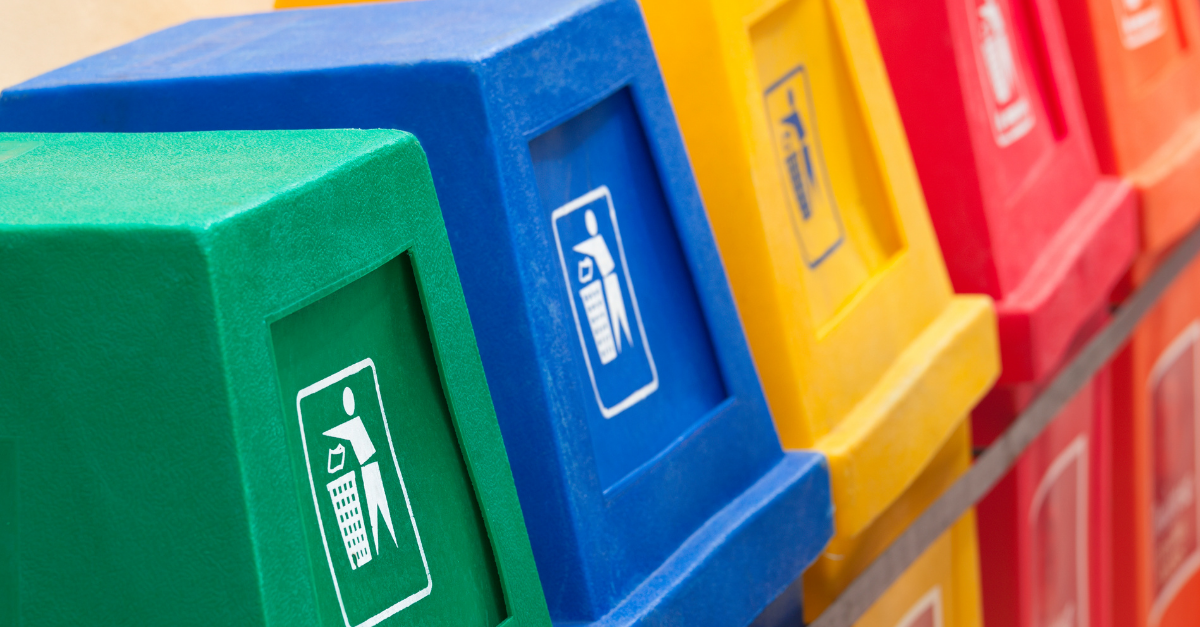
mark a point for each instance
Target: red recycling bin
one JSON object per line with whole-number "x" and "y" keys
{"x": 1023, "y": 213}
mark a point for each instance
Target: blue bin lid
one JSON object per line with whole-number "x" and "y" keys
{"x": 649, "y": 472}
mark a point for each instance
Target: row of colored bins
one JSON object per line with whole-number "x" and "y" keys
{"x": 863, "y": 352}
{"x": 649, "y": 473}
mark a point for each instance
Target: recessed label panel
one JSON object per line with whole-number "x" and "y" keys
{"x": 634, "y": 337}
{"x": 393, "y": 528}
{"x": 1175, "y": 518}
{"x": 1059, "y": 530}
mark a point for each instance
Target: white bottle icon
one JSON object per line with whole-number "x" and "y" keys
{"x": 604, "y": 306}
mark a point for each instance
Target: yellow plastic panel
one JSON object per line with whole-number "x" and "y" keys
{"x": 950, "y": 566}
{"x": 863, "y": 350}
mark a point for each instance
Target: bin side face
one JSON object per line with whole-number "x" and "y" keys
{"x": 121, "y": 432}
{"x": 1050, "y": 517}
{"x": 355, "y": 279}
{"x": 1142, "y": 67}
{"x": 829, "y": 191}
{"x": 1003, "y": 97}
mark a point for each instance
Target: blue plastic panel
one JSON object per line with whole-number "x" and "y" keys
{"x": 654, "y": 514}
{"x": 646, "y": 351}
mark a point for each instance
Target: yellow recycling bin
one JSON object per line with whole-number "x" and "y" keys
{"x": 864, "y": 351}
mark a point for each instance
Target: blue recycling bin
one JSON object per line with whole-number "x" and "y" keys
{"x": 652, "y": 481}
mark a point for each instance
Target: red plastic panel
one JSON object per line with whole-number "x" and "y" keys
{"x": 1044, "y": 533}
{"x": 1000, "y": 139}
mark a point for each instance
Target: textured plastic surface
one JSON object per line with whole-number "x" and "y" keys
{"x": 1000, "y": 139}
{"x": 174, "y": 301}
{"x": 1045, "y": 531}
{"x": 807, "y": 178}
{"x": 944, "y": 581}
{"x": 1156, "y": 446}
{"x": 535, "y": 115}
{"x": 1139, "y": 75}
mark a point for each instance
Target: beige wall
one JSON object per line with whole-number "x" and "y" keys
{"x": 37, "y": 36}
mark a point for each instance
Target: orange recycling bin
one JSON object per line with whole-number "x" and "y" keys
{"x": 1156, "y": 461}
{"x": 1139, "y": 73}
{"x": 865, "y": 352}
{"x": 1138, "y": 67}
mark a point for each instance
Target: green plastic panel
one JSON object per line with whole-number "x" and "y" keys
{"x": 175, "y": 302}
{"x": 8, "y": 533}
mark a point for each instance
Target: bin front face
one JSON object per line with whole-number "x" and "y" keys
{"x": 841, "y": 286}
{"x": 1157, "y": 437}
{"x": 645, "y": 353}
{"x": 1000, "y": 140}
{"x": 622, "y": 383}
{"x": 372, "y": 446}
{"x": 1140, "y": 81}
{"x": 273, "y": 433}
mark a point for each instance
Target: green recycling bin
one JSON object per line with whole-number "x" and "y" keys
{"x": 239, "y": 386}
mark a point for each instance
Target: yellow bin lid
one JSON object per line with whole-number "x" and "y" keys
{"x": 864, "y": 351}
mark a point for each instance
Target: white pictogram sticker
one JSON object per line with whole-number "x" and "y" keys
{"x": 1005, "y": 90}
{"x": 1139, "y": 22}
{"x": 354, "y": 488}
{"x": 596, "y": 273}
